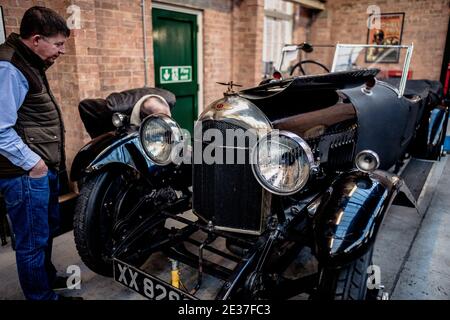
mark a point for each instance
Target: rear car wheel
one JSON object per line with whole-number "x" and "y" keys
{"x": 348, "y": 282}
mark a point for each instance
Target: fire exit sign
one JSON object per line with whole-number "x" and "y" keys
{"x": 175, "y": 74}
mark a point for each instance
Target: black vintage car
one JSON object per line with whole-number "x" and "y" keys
{"x": 294, "y": 172}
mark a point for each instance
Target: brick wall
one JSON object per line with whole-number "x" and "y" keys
{"x": 301, "y": 24}
{"x": 425, "y": 25}
{"x": 119, "y": 45}
{"x": 217, "y": 52}
{"x": 247, "y": 26}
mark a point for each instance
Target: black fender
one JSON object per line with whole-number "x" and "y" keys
{"x": 126, "y": 152}
{"x": 89, "y": 152}
{"x": 350, "y": 213}
{"x": 108, "y": 149}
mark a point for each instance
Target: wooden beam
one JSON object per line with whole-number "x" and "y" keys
{"x": 312, "y": 4}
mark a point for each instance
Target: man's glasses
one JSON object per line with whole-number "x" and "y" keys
{"x": 58, "y": 45}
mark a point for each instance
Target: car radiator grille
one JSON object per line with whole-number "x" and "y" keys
{"x": 227, "y": 194}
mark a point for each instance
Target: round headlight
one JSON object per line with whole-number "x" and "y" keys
{"x": 159, "y": 134}
{"x": 367, "y": 161}
{"x": 281, "y": 162}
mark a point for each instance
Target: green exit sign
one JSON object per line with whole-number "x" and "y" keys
{"x": 175, "y": 74}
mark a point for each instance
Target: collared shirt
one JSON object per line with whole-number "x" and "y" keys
{"x": 13, "y": 89}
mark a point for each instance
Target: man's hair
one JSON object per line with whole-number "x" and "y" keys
{"x": 43, "y": 21}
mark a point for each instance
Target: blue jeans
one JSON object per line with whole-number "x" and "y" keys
{"x": 32, "y": 205}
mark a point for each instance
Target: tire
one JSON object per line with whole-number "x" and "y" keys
{"x": 98, "y": 206}
{"x": 435, "y": 152}
{"x": 346, "y": 283}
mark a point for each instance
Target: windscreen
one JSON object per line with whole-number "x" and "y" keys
{"x": 392, "y": 61}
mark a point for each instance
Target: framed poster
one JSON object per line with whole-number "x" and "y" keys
{"x": 389, "y": 33}
{"x": 2, "y": 27}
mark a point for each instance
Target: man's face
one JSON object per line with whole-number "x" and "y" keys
{"x": 49, "y": 48}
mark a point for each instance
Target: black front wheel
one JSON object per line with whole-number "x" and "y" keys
{"x": 348, "y": 282}
{"x": 104, "y": 199}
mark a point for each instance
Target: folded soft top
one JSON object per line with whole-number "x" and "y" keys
{"x": 327, "y": 81}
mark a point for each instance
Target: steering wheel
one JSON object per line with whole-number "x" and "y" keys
{"x": 299, "y": 65}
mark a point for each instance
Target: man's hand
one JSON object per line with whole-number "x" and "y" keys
{"x": 39, "y": 170}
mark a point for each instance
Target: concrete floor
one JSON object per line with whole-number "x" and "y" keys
{"x": 425, "y": 273}
{"x": 412, "y": 251}
{"x": 408, "y": 239}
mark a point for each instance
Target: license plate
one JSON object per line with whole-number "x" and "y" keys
{"x": 147, "y": 285}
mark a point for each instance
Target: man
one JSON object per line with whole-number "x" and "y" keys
{"x": 32, "y": 146}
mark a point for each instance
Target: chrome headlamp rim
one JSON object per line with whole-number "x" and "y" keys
{"x": 301, "y": 143}
{"x": 171, "y": 126}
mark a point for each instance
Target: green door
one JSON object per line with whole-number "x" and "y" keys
{"x": 175, "y": 58}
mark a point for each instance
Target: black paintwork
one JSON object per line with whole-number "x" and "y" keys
{"x": 385, "y": 123}
{"x": 89, "y": 152}
{"x": 349, "y": 215}
{"x": 337, "y": 216}
{"x": 112, "y": 148}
